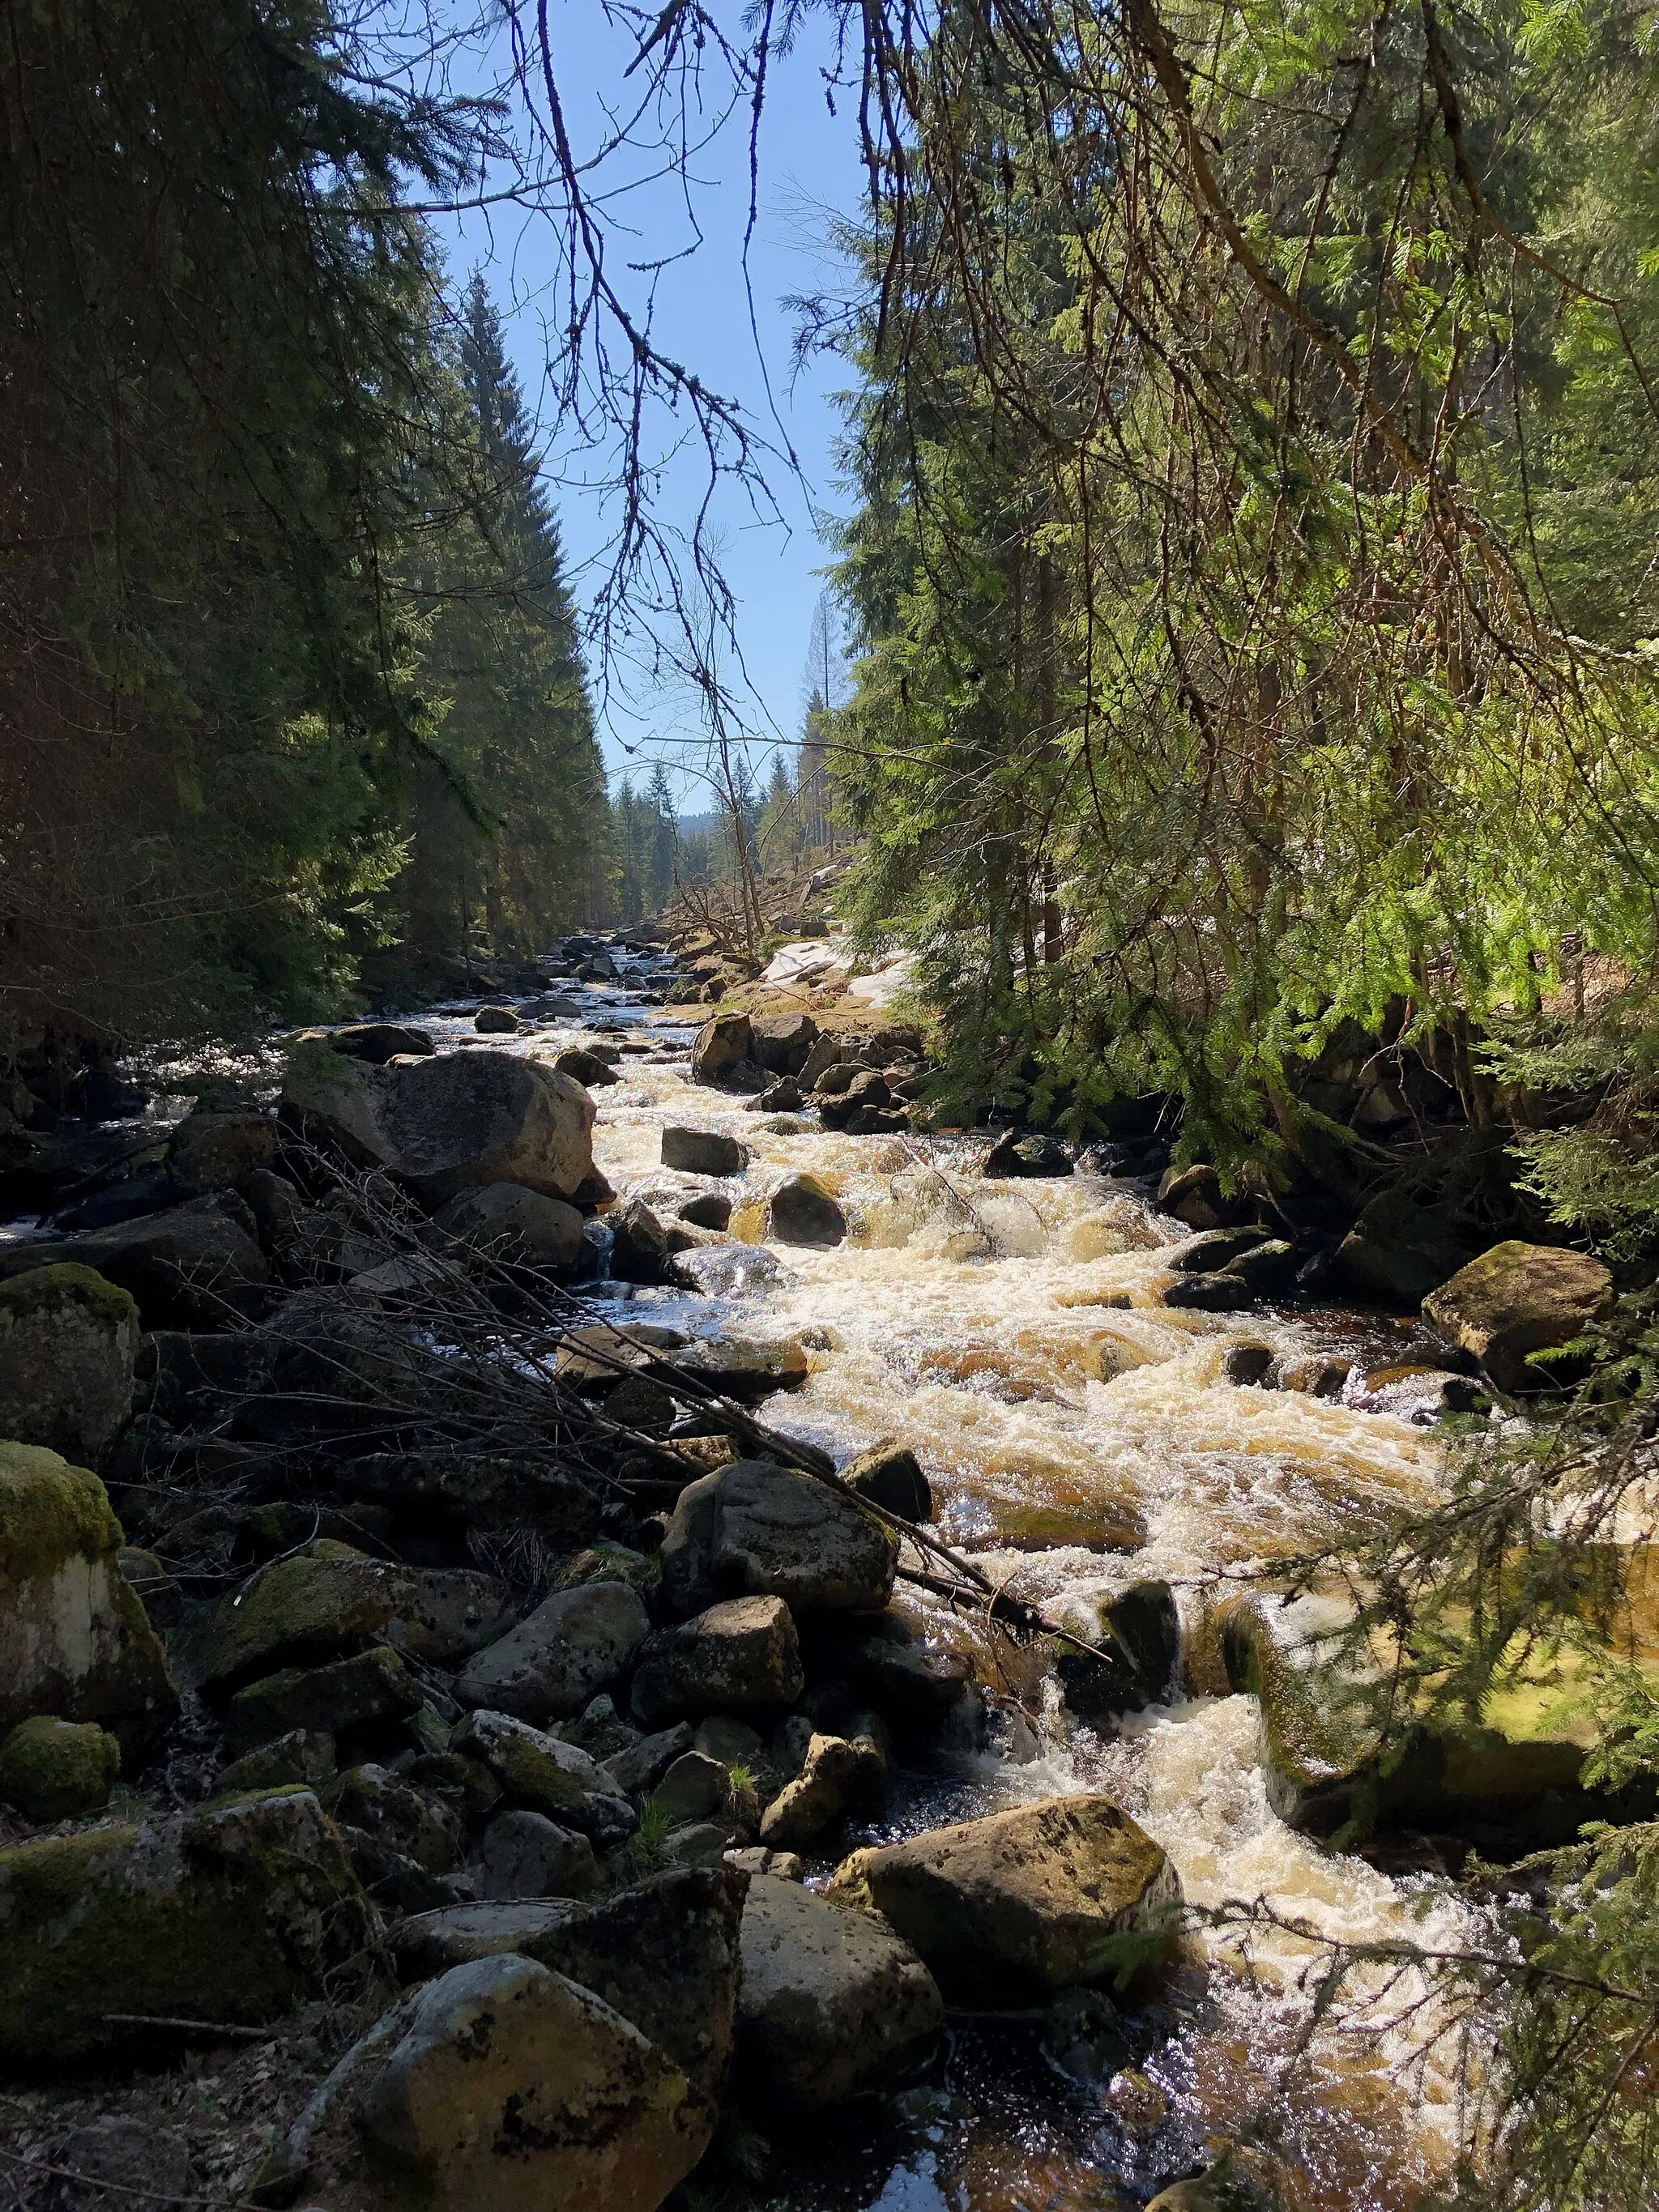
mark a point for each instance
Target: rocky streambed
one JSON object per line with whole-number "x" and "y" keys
{"x": 490, "y": 1710}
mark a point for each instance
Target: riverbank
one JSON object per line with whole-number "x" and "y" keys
{"x": 1085, "y": 1434}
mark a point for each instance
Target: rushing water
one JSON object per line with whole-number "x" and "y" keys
{"x": 1012, "y": 1334}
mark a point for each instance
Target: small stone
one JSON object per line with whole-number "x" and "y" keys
{"x": 53, "y": 1770}
{"x": 214, "y": 1151}
{"x": 703, "y": 1151}
{"x": 640, "y": 1403}
{"x": 754, "y": 1858}
{"x": 526, "y": 1855}
{"x": 816, "y": 1798}
{"x": 699, "y": 1844}
{"x": 418, "y": 1828}
{"x": 296, "y": 1610}
{"x": 378, "y": 1042}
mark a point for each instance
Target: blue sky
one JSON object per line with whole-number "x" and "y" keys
{"x": 810, "y": 168}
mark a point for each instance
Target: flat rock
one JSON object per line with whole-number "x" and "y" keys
{"x": 741, "y": 1656}
{"x": 502, "y": 2084}
{"x": 449, "y": 1123}
{"x": 833, "y": 2002}
{"x": 572, "y": 1646}
{"x": 1009, "y": 1910}
{"x": 755, "y": 1529}
{"x": 1519, "y": 1298}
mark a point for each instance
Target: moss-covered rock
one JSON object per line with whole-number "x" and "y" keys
{"x": 53, "y": 1770}
{"x": 67, "y": 1343}
{"x": 234, "y": 1912}
{"x": 1518, "y": 1299}
{"x": 312, "y": 1607}
{"x": 185, "y": 1268}
{"x": 73, "y": 1638}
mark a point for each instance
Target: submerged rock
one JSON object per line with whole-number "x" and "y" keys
{"x": 833, "y": 2003}
{"x": 502, "y": 2084}
{"x": 758, "y": 1529}
{"x": 1009, "y": 1910}
{"x": 75, "y": 1642}
{"x": 233, "y": 1912}
{"x": 69, "y": 1342}
{"x": 1516, "y": 1299}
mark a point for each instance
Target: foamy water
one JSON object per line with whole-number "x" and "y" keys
{"x": 1012, "y": 1334}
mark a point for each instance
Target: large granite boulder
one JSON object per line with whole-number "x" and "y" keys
{"x": 75, "y": 1641}
{"x": 450, "y": 1123}
{"x": 755, "y": 1529}
{"x": 781, "y": 1043}
{"x": 502, "y": 2084}
{"x": 833, "y": 2003}
{"x": 800, "y": 1210}
{"x": 741, "y": 1656}
{"x": 68, "y": 1341}
{"x": 1010, "y": 1910}
{"x": 215, "y": 1151}
{"x": 514, "y": 1223}
{"x": 196, "y": 1266}
{"x": 703, "y": 1152}
{"x": 571, "y": 1647}
{"x": 722, "y": 1045}
{"x": 232, "y": 1912}
{"x": 1516, "y": 1299}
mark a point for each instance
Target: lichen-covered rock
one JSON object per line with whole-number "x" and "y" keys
{"x": 755, "y": 1529}
{"x": 1011, "y": 1909}
{"x": 449, "y": 1123}
{"x": 53, "y": 1770}
{"x": 192, "y": 1267}
{"x": 73, "y": 1638}
{"x": 547, "y": 1776}
{"x": 833, "y": 2003}
{"x": 298, "y": 1610}
{"x": 663, "y": 1952}
{"x": 419, "y": 1827}
{"x": 454, "y": 1611}
{"x": 236, "y": 1912}
{"x": 68, "y": 1344}
{"x": 499, "y": 2084}
{"x": 743, "y": 1655}
{"x": 572, "y": 1646}
{"x": 1516, "y": 1299}
{"x": 515, "y": 1224}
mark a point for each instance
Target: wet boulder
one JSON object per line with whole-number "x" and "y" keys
{"x": 1009, "y": 1910}
{"x": 642, "y": 1245}
{"x": 495, "y": 1021}
{"x": 1031, "y": 1154}
{"x": 1517, "y": 1299}
{"x": 722, "y": 1046}
{"x": 755, "y": 1529}
{"x": 75, "y": 1642}
{"x": 732, "y": 1271}
{"x": 449, "y": 1123}
{"x": 572, "y": 1646}
{"x": 235, "y": 1911}
{"x": 890, "y": 1476}
{"x": 195, "y": 1265}
{"x": 543, "y": 1774}
{"x": 517, "y": 1224}
{"x": 710, "y": 1209}
{"x": 703, "y": 1152}
{"x": 53, "y": 1770}
{"x": 833, "y": 2002}
{"x": 781, "y": 1043}
{"x": 741, "y": 1656}
{"x": 1212, "y": 1249}
{"x": 1194, "y": 1195}
{"x": 297, "y": 1611}
{"x": 800, "y": 1210}
{"x": 68, "y": 1341}
{"x": 503, "y": 2084}
{"x": 1139, "y": 1631}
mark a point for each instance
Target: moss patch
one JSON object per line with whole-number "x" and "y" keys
{"x": 46, "y": 1290}
{"x": 53, "y": 1770}
{"x": 50, "y": 1512}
